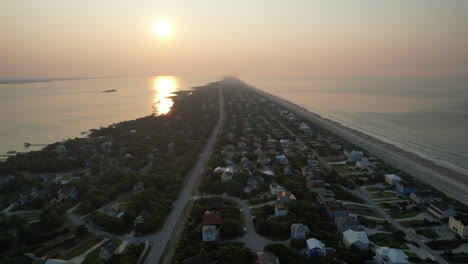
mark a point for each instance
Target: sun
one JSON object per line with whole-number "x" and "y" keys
{"x": 163, "y": 29}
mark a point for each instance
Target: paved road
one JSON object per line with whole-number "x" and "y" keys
{"x": 366, "y": 196}
{"x": 251, "y": 238}
{"x": 161, "y": 239}
{"x": 23, "y": 212}
{"x": 8, "y": 208}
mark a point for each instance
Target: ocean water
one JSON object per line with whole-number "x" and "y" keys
{"x": 48, "y": 112}
{"x": 426, "y": 117}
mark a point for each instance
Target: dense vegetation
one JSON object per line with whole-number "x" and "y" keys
{"x": 158, "y": 151}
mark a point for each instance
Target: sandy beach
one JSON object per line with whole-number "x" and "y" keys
{"x": 454, "y": 184}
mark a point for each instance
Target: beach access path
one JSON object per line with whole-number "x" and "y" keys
{"x": 454, "y": 184}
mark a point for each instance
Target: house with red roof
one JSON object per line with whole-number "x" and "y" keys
{"x": 210, "y": 218}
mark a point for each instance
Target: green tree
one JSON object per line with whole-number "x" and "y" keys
{"x": 51, "y": 217}
{"x": 230, "y": 228}
{"x": 230, "y": 212}
{"x": 233, "y": 254}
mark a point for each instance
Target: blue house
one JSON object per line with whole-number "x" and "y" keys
{"x": 315, "y": 248}
{"x": 405, "y": 188}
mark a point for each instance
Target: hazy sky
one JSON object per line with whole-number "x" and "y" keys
{"x": 59, "y": 38}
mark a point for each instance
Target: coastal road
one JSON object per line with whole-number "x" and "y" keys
{"x": 451, "y": 182}
{"x": 161, "y": 239}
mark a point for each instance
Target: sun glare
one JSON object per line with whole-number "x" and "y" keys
{"x": 163, "y": 29}
{"x": 164, "y": 86}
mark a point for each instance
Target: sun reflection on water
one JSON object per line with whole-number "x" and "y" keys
{"x": 164, "y": 87}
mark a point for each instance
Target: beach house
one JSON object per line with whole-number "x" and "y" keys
{"x": 459, "y": 224}
{"x": 299, "y": 231}
{"x": 280, "y": 209}
{"x": 344, "y": 223}
{"x": 421, "y": 197}
{"x": 385, "y": 255}
{"x": 358, "y": 239}
{"x": 275, "y": 188}
{"x": 335, "y": 209}
{"x": 209, "y": 233}
{"x": 392, "y": 179}
{"x": 364, "y": 164}
{"x": 285, "y": 197}
{"x": 355, "y": 156}
{"x": 405, "y": 188}
{"x": 440, "y": 210}
{"x": 315, "y": 248}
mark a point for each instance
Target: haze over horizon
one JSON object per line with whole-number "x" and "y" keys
{"x": 62, "y": 39}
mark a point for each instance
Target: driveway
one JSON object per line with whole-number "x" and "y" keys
{"x": 423, "y": 250}
{"x": 82, "y": 257}
{"x": 251, "y": 238}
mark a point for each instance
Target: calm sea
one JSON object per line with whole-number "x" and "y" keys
{"x": 426, "y": 117}
{"x": 48, "y": 112}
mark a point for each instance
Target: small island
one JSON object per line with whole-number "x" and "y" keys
{"x": 109, "y": 91}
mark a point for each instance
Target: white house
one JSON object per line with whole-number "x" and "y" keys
{"x": 364, "y": 164}
{"x": 275, "y": 188}
{"x": 315, "y": 247}
{"x": 358, "y": 239}
{"x": 268, "y": 171}
{"x": 385, "y": 255}
{"x": 209, "y": 233}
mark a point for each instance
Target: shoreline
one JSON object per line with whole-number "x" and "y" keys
{"x": 452, "y": 183}
{"x": 382, "y": 138}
